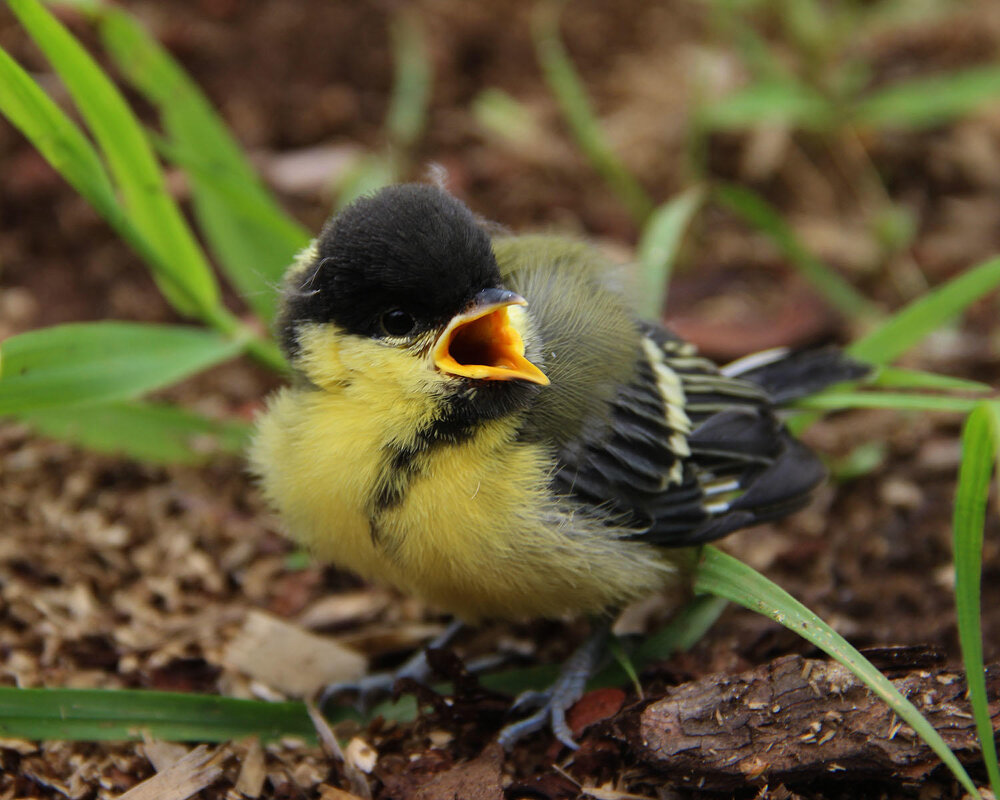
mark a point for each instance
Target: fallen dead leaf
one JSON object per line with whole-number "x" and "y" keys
{"x": 593, "y": 707}
{"x": 337, "y": 609}
{"x": 288, "y": 658}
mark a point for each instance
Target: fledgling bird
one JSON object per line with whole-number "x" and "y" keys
{"x": 480, "y": 421}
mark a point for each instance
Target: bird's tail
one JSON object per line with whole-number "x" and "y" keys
{"x": 789, "y": 375}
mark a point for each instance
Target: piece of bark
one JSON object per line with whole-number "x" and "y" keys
{"x": 795, "y": 720}
{"x": 185, "y": 777}
{"x": 253, "y": 771}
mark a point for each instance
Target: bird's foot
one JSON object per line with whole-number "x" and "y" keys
{"x": 372, "y": 688}
{"x": 554, "y": 702}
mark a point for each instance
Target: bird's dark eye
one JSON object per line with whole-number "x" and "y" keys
{"x": 397, "y": 322}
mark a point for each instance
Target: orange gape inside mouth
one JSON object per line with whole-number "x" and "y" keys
{"x": 483, "y": 344}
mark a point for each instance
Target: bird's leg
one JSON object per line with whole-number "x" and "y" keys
{"x": 371, "y": 687}
{"x": 554, "y": 702}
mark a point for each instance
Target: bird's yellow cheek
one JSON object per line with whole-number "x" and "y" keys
{"x": 335, "y": 360}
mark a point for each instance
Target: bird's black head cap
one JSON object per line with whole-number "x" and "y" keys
{"x": 410, "y": 247}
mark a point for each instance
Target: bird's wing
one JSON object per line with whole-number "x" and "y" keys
{"x": 690, "y": 452}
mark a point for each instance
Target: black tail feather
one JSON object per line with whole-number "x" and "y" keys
{"x": 791, "y": 375}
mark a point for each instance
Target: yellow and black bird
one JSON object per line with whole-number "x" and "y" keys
{"x": 480, "y": 421}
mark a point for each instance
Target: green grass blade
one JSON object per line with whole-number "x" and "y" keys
{"x": 190, "y": 286}
{"x": 158, "y": 433}
{"x": 69, "y": 152}
{"x": 783, "y": 102}
{"x": 624, "y": 663}
{"x": 252, "y": 248}
{"x": 55, "y": 136}
{"x": 900, "y": 378}
{"x": 724, "y": 576}
{"x": 570, "y": 94}
{"x": 930, "y": 101}
{"x": 758, "y": 213}
{"x": 683, "y": 631}
{"x": 65, "y": 147}
{"x": 252, "y": 209}
{"x": 411, "y": 89}
{"x": 979, "y": 453}
{"x": 658, "y": 247}
{"x": 101, "y": 362}
{"x": 506, "y": 117}
{"x": 899, "y": 401}
{"x": 861, "y": 461}
{"x": 121, "y": 715}
{"x": 907, "y": 327}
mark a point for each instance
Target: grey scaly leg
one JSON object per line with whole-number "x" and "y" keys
{"x": 554, "y": 702}
{"x": 371, "y": 687}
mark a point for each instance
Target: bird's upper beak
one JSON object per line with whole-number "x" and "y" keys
{"x": 482, "y": 342}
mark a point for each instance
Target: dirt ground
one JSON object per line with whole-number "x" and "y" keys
{"x": 119, "y": 574}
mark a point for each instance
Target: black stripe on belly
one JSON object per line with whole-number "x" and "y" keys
{"x": 402, "y": 464}
{"x": 459, "y": 419}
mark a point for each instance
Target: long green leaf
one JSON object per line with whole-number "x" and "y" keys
{"x": 505, "y": 116}
{"x": 70, "y": 153}
{"x": 658, "y": 247}
{"x": 901, "y": 378}
{"x": 979, "y": 453}
{"x": 121, "y": 715}
{"x": 907, "y": 327}
{"x": 190, "y": 285}
{"x": 934, "y": 100}
{"x": 57, "y": 138}
{"x": 570, "y": 94}
{"x": 784, "y": 102}
{"x": 683, "y": 632}
{"x": 839, "y": 401}
{"x": 158, "y": 433}
{"x": 251, "y": 208}
{"x": 724, "y": 576}
{"x": 60, "y": 141}
{"x": 253, "y": 249}
{"x": 758, "y": 213}
{"x": 102, "y": 362}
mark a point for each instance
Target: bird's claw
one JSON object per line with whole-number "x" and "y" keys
{"x": 368, "y": 690}
{"x": 554, "y": 702}
{"x": 552, "y": 707}
{"x": 532, "y": 698}
{"x": 371, "y": 688}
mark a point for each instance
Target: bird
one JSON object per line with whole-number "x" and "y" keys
{"x": 479, "y": 419}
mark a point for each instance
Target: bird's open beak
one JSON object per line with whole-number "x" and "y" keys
{"x": 482, "y": 342}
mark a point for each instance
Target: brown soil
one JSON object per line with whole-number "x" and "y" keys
{"x": 119, "y": 574}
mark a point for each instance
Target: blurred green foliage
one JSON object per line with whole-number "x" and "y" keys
{"x": 244, "y": 229}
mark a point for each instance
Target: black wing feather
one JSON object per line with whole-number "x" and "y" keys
{"x": 726, "y": 462}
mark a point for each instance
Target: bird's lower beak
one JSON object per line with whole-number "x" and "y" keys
{"x": 482, "y": 342}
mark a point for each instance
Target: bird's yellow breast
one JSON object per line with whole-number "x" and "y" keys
{"x": 470, "y": 526}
